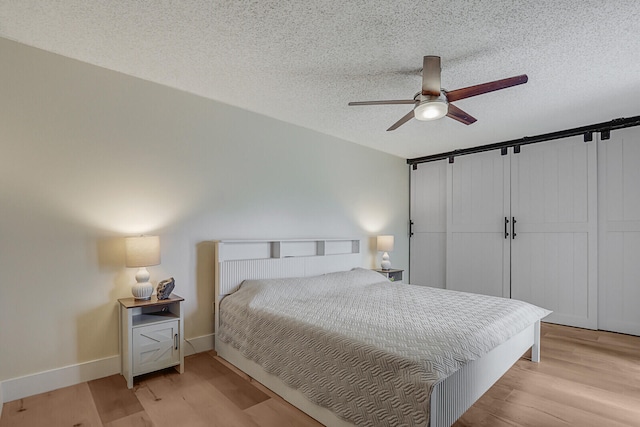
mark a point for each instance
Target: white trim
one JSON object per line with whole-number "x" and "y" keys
{"x": 199, "y": 344}
{"x": 42, "y": 382}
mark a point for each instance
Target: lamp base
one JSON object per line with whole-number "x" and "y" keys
{"x": 385, "y": 264}
{"x": 143, "y": 289}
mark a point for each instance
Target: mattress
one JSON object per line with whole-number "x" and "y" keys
{"x": 365, "y": 348}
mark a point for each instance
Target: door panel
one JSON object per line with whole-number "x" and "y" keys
{"x": 428, "y": 263}
{"x": 550, "y": 270}
{"x": 553, "y": 254}
{"x": 428, "y": 213}
{"x": 619, "y": 186}
{"x": 477, "y": 266}
{"x": 477, "y": 251}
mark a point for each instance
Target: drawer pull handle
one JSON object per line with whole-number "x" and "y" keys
{"x": 175, "y": 341}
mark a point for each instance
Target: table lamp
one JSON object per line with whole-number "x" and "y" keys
{"x": 385, "y": 244}
{"x": 142, "y": 252}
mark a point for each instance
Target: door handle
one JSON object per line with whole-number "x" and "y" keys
{"x": 506, "y": 225}
{"x": 513, "y": 227}
{"x": 175, "y": 341}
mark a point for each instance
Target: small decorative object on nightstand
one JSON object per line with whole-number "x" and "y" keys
{"x": 393, "y": 275}
{"x": 165, "y": 287}
{"x": 150, "y": 335}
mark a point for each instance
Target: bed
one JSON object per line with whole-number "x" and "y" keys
{"x": 348, "y": 347}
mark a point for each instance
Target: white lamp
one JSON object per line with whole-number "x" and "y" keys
{"x": 143, "y": 251}
{"x": 385, "y": 244}
{"x": 431, "y": 108}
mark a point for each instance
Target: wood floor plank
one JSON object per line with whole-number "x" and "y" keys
{"x": 478, "y": 416}
{"x": 113, "y": 399}
{"x": 166, "y": 410}
{"x": 593, "y": 353}
{"x": 534, "y": 410}
{"x": 253, "y": 382}
{"x": 241, "y": 392}
{"x": 618, "y": 340}
{"x": 204, "y": 366}
{"x": 139, "y": 419}
{"x": 212, "y": 404}
{"x": 195, "y": 394}
{"x": 65, "y": 407}
{"x": 272, "y": 413}
{"x": 233, "y": 383}
{"x": 585, "y": 375}
{"x": 614, "y": 406}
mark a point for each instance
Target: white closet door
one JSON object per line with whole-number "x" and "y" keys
{"x": 428, "y": 213}
{"x": 478, "y": 197}
{"x": 619, "y": 186}
{"x": 553, "y": 252}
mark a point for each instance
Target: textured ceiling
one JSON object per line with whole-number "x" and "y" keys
{"x": 303, "y": 61}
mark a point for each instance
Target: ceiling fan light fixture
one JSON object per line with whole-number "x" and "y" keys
{"x": 431, "y": 109}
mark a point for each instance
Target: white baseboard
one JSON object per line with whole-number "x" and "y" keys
{"x": 199, "y": 344}
{"x": 42, "y": 382}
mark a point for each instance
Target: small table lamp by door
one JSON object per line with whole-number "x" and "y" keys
{"x": 385, "y": 244}
{"x": 142, "y": 252}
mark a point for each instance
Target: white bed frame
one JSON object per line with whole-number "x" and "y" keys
{"x": 237, "y": 260}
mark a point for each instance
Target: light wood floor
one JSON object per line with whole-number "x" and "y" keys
{"x": 585, "y": 378}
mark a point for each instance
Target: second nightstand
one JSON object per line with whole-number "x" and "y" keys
{"x": 392, "y": 274}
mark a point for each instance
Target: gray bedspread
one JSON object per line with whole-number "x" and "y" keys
{"x": 367, "y": 349}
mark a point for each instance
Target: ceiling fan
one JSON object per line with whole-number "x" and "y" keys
{"x": 433, "y": 102}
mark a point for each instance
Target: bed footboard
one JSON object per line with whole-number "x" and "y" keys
{"x": 457, "y": 393}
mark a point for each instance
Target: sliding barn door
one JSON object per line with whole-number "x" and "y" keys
{"x": 524, "y": 225}
{"x": 619, "y": 187}
{"x": 428, "y": 213}
{"x": 477, "y": 251}
{"x": 554, "y": 243}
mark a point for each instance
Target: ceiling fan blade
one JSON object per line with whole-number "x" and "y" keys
{"x": 402, "y": 121}
{"x": 390, "y": 102}
{"x": 457, "y": 114}
{"x": 431, "y": 76}
{"x": 470, "y": 91}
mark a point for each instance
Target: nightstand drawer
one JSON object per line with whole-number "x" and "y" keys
{"x": 155, "y": 347}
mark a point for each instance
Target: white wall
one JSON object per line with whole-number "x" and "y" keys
{"x": 88, "y": 156}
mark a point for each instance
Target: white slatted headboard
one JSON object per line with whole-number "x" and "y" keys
{"x": 238, "y": 260}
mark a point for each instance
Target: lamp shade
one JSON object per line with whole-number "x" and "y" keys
{"x": 142, "y": 251}
{"x": 385, "y": 243}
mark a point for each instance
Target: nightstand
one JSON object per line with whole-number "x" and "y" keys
{"x": 392, "y": 274}
{"x": 151, "y": 334}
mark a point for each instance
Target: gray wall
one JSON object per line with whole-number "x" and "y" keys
{"x": 89, "y": 156}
